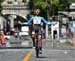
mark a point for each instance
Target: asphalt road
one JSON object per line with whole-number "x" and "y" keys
{"x": 29, "y": 55}
{"x": 55, "y": 55}
{"x": 61, "y": 52}
{"x": 13, "y": 54}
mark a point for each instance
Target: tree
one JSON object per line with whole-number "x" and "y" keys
{"x": 64, "y": 4}
{"x": 60, "y": 5}
{"x": 52, "y": 6}
{"x": 47, "y": 5}
{"x": 31, "y": 4}
{"x": 40, "y": 4}
{"x": 71, "y": 1}
{"x": 55, "y": 5}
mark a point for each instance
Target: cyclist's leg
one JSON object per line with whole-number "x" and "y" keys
{"x": 40, "y": 39}
{"x": 33, "y": 38}
{"x": 40, "y": 43}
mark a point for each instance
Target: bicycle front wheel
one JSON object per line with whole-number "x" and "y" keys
{"x": 37, "y": 49}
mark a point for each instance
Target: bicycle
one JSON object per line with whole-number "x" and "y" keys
{"x": 37, "y": 47}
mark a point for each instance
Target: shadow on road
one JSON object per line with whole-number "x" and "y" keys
{"x": 42, "y": 57}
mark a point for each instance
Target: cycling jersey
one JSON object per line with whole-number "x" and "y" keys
{"x": 37, "y": 20}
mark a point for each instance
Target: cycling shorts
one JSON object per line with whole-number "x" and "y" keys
{"x": 37, "y": 29}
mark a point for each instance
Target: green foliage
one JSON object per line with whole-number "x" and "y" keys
{"x": 41, "y": 4}
{"x": 19, "y": 19}
{"x": 71, "y": 1}
{"x": 64, "y": 4}
{"x": 54, "y": 5}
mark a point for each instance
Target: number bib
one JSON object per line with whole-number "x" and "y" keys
{"x": 37, "y": 21}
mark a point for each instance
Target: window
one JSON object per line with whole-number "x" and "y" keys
{"x": 9, "y": 2}
{"x": 15, "y": 0}
{"x": 23, "y": 0}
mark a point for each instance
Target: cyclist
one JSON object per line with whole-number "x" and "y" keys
{"x": 36, "y": 26}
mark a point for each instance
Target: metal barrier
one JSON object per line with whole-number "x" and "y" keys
{"x": 59, "y": 37}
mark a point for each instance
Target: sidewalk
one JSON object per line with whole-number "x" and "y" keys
{"x": 47, "y": 43}
{"x": 12, "y": 42}
{"x": 59, "y": 44}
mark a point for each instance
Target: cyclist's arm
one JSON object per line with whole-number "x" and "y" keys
{"x": 45, "y": 21}
{"x": 29, "y": 21}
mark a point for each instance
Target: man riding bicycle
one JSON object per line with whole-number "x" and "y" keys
{"x": 37, "y": 21}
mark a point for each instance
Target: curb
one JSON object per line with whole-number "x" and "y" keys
{"x": 15, "y": 47}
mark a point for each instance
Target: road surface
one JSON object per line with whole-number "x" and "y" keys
{"x": 29, "y": 55}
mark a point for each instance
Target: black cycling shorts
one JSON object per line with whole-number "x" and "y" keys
{"x": 37, "y": 29}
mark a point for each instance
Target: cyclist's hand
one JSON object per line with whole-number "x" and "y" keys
{"x": 49, "y": 23}
{"x": 26, "y": 23}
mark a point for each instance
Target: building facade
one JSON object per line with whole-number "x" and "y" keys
{"x": 13, "y": 8}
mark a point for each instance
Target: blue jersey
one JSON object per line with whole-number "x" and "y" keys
{"x": 37, "y": 19}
